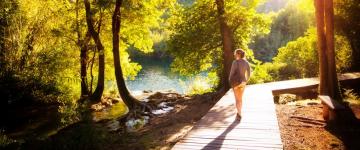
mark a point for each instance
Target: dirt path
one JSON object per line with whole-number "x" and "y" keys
{"x": 302, "y": 127}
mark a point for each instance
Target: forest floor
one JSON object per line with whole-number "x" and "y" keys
{"x": 303, "y": 127}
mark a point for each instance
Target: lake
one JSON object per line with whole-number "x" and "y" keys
{"x": 156, "y": 75}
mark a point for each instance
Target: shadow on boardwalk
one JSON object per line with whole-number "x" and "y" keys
{"x": 217, "y": 142}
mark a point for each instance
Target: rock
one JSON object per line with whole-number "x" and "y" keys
{"x": 135, "y": 124}
{"x": 145, "y": 100}
{"x": 162, "y": 104}
{"x": 147, "y": 91}
{"x": 156, "y": 95}
{"x": 107, "y": 102}
{"x": 187, "y": 97}
{"x": 97, "y": 107}
{"x": 170, "y": 91}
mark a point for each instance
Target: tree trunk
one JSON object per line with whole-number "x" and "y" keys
{"x": 96, "y": 96}
{"x": 83, "y": 44}
{"x": 129, "y": 100}
{"x": 333, "y": 84}
{"x": 83, "y": 67}
{"x": 321, "y": 44}
{"x": 91, "y": 72}
{"x": 227, "y": 41}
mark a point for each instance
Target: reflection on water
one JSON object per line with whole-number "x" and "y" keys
{"x": 155, "y": 75}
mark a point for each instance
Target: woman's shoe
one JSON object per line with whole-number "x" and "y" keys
{"x": 238, "y": 117}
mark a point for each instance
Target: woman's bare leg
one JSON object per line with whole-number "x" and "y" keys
{"x": 238, "y": 91}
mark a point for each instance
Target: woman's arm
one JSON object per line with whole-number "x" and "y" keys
{"x": 248, "y": 72}
{"x": 232, "y": 71}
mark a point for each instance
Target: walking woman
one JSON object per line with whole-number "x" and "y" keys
{"x": 239, "y": 76}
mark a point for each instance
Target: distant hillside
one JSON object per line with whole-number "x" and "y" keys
{"x": 272, "y": 5}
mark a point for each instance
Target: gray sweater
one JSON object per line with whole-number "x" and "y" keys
{"x": 240, "y": 72}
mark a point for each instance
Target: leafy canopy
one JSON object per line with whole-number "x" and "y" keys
{"x": 195, "y": 39}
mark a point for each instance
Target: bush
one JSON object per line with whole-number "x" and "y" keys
{"x": 268, "y": 72}
{"x": 201, "y": 84}
{"x": 301, "y": 58}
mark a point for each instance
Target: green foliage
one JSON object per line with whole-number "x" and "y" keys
{"x": 268, "y": 72}
{"x": 195, "y": 39}
{"x": 347, "y": 18}
{"x": 299, "y": 59}
{"x": 288, "y": 24}
{"x": 344, "y": 53}
{"x": 141, "y": 22}
{"x": 40, "y": 49}
{"x": 201, "y": 84}
{"x": 301, "y": 56}
{"x": 43, "y": 46}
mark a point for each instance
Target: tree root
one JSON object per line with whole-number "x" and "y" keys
{"x": 309, "y": 120}
{"x": 139, "y": 110}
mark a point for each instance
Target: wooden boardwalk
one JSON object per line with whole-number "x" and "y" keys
{"x": 258, "y": 128}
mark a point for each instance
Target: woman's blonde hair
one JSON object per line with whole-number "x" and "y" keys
{"x": 239, "y": 52}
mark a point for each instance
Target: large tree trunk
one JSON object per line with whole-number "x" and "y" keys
{"x": 95, "y": 35}
{"x": 333, "y": 84}
{"x": 227, "y": 41}
{"x": 135, "y": 106}
{"x": 124, "y": 92}
{"x": 321, "y": 44}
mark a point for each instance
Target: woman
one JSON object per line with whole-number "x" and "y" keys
{"x": 239, "y": 76}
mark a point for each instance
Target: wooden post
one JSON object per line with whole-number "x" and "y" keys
{"x": 333, "y": 84}
{"x": 329, "y": 85}
{"x": 321, "y": 44}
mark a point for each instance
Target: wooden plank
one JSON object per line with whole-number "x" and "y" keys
{"x": 243, "y": 137}
{"x": 239, "y": 145}
{"x": 295, "y": 90}
{"x": 302, "y": 85}
{"x": 234, "y": 142}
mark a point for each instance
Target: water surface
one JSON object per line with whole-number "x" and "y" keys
{"x": 156, "y": 75}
